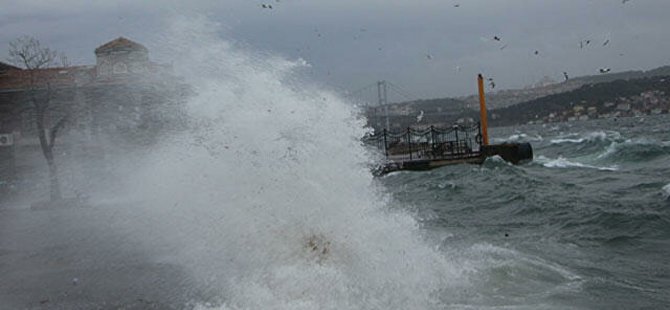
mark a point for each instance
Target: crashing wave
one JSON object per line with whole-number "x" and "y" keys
{"x": 594, "y": 136}
{"x": 271, "y": 205}
{"x": 562, "y": 162}
{"x": 635, "y": 150}
{"x": 519, "y": 137}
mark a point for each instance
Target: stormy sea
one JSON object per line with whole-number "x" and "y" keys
{"x": 586, "y": 225}
{"x": 267, "y": 201}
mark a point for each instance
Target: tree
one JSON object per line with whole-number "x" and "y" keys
{"x": 27, "y": 52}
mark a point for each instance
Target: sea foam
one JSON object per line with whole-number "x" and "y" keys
{"x": 268, "y": 200}
{"x": 562, "y": 162}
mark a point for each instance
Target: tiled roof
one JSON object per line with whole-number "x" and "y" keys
{"x": 120, "y": 43}
{"x": 14, "y": 79}
{"x": 5, "y": 67}
{"x": 59, "y": 77}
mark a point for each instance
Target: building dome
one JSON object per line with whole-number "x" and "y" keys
{"x": 121, "y": 57}
{"x": 120, "y": 44}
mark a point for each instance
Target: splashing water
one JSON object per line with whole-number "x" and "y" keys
{"x": 518, "y": 137}
{"x": 666, "y": 191}
{"x": 267, "y": 199}
{"x": 562, "y": 162}
{"x": 588, "y": 137}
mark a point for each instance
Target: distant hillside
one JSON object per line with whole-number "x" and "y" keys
{"x": 630, "y": 97}
{"x": 509, "y": 97}
{"x": 522, "y": 105}
{"x": 401, "y": 115}
{"x": 626, "y": 75}
{"x": 435, "y": 106}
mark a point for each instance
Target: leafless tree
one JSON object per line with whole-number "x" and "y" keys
{"x": 27, "y": 52}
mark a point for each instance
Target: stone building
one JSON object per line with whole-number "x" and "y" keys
{"x": 122, "y": 101}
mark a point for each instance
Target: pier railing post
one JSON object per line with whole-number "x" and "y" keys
{"x": 409, "y": 142}
{"x": 467, "y": 139}
{"x": 432, "y": 141}
{"x": 458, "y": 142}
{"x": 386, "y": 146}
{"x": 479, "y": 134}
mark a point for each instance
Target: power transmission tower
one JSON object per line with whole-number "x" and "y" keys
{"x": 383, "y": 101}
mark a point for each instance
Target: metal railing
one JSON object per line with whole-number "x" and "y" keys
{"x": 431, "y": 143}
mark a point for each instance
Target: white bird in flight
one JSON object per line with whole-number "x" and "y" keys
{"x": 419, "y": 117}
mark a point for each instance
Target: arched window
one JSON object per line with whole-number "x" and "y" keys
{"x": 120, "y": 67}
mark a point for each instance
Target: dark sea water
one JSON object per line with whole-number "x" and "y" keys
{"x": 584, "y": 226}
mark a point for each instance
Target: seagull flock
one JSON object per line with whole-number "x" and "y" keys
{"x": 582, "y": 45}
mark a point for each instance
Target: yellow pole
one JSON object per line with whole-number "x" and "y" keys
{"x": 482, "y": 110}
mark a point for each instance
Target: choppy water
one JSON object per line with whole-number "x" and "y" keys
{"x": 586, "y": 225}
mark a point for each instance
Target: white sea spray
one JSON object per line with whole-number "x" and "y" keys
{"x": 268, "y": 199}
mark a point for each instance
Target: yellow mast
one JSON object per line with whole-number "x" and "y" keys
{"x": 482, "y": 110}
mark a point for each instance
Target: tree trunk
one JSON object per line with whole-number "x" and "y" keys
{"x": 54, "y": 184}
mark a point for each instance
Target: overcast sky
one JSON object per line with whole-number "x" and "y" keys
{"x": 430, "y": 48}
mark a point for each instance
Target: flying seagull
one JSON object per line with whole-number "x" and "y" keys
{"x": 565, "y": 74}
{"x": 492, "y": 83}
{"x": 606, "y": 42}
{"x": 419, "y": 117}
{"x": 497, "y": 38}
{"x": 604, "y": 70}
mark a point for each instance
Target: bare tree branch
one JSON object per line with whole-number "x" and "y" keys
{"x": 27, "y": 52}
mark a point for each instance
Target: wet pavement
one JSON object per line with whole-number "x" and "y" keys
{"x": 84, "y": 258}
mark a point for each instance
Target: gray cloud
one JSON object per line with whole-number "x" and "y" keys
{"x": 354, "y": 43}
